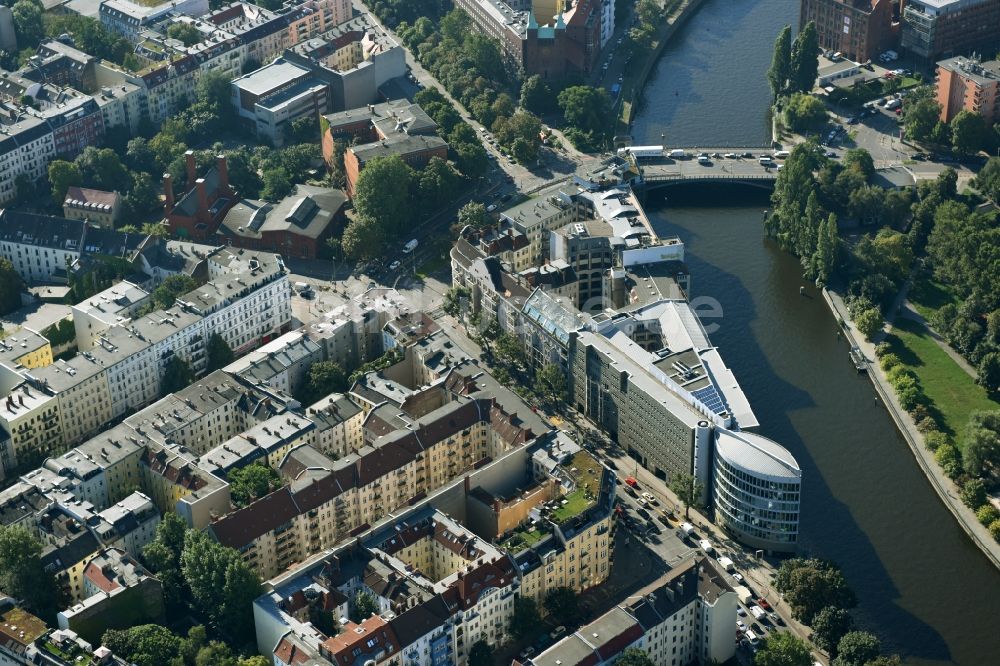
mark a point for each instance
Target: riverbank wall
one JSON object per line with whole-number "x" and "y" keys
{"x": 663, "y": 37}
{"x": 943, "y": 486}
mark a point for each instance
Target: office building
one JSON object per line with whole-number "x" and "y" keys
{"x": 934, "y": 29}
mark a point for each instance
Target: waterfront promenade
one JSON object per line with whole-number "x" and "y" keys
{"x": 946, "y": 489}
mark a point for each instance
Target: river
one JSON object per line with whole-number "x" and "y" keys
{"x": 924, "y": 588}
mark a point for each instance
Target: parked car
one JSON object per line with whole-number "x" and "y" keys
{"x": 642, "y": 512}
{"x": 740, "y": 625}
{"x": 649, "y": 498}
{"x": 558, "y": 633}
{"x": 762, "y": 602}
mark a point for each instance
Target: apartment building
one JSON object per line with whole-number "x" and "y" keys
{"x": 117, "y": 593}
{"x": 31, "y": 426}
{"x": 25, "y": 349}
{"x": 128, "y": 18}
{"x": 41, "y": 247}
{"x": 859, "y": 29}
{"x": 440, "y": 582}
{"x": 969, "y": 84}
{"x": 934, "y": 29}
{"x": 282, "y": 363}
{"x": 339, "y": 425}
{"x": 408, "y": 450}
{"x": 116, "y": 305}
{"x": 317, "y": 17}
{"x": 685, "y": 617}
{"x": 546, "y": 38}
{"x": 27, "y": 144}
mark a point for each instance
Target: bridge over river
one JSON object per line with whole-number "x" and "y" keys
{"x": 659, "y": 172}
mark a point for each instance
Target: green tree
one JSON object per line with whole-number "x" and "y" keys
{"x": 986, "y": 514}
{"x": 988, "y": 375}
{"x": 176, "y": 375}
{"x": 480, "y": 654}
{"x": 28, "y": 23}
{"x": 143, "y": 645}
{"x": 185, "y": 32}
{"x": 240, "y": 588}
{"x": 804, "y": 60}
{"x": 219, "y": 353}
{"x": 22, "y": 574}
{"x": 473, "y": 214}
{"x": 11, "y": 287}
{"x": 222, "y": 585}
{"x": 103, "y": 168}
{"x": 634, "y": 657}
{"x": 804, "y": 112}
{"x": 974, "y": 493}
{"x": 252, "y": 482}
{"x": 982, "y": 442}
{"x": 827, "y": 250}
{"x": 363, "y": 239}
{"x": 857, "y": 648}
{"x": 781, "y": 63}
{"x": 860, "y": 160}
{"x": 994, "y": 529}
{"x": 526, "y": 619}
{"x": 869, "y": 322}
{"x": 324, "y": 378}
{"x": 829, "y": 626}
{"x": 948, "y": 457}
{"x": 163, "y": 556}
{"x": 214, "y": 88}
{"x": 563, "y": 604}
{"x": 988, "y": 179}
{"x": 550, "y": 383}
{"x": 62, "y": 175}
{"x": 381, "y": 194}
{"x": 783, "y": 649}
{"x": 688, "y": 490}
{"x": 536, "y": 96}
{"x": 363, "y": 606}
{"x": 968, "y": 132}
{"x": 810, "y": 585}
{"x": 919, "y": 118}
{"x": 509, "y": 351}
{"x": 586, "y": 108}
{"x": 277, "y": 185}
{"x": 173, "y": 286}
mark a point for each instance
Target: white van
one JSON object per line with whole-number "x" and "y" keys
{"x": 752, "y": 638}
{"x": 706, "y": 546}
{"x": 766, "y": 160}
{"x": 727, "y": 564}
{"x": 781, "y": 154}
{"x": 677, "y": 153}
{"x": 703, "y": 159}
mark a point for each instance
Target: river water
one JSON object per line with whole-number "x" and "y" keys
{"x": 929, "y": 594}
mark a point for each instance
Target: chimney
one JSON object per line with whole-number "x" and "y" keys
{"x": 168, "y": 193}
{"x": 191, "y": 167}
{"x": 202, "y": 195}
{"x": 223, "y": 169}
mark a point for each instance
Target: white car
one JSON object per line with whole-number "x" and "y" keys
{"x": 394, "y": 265}
{"x": 738, "y": 577}
{"x": 641, "y": 502}
{"x": 649, "y": 498}
{"x": 741, "y": 612}
{"x": 740, "y": 625}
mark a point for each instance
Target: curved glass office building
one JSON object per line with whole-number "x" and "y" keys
{"x": 756, "y": 487}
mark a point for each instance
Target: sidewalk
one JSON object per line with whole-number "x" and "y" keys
{"x": 944, "y": 486}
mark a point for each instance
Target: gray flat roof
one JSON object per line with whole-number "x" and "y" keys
{"x": 267, "y": 78}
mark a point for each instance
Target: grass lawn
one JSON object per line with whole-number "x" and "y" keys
{"x": 576, "y": 503}
{"x": 954, "y": 393}
{"x": 523, "y": 539}
{"x": 929, "y": 295}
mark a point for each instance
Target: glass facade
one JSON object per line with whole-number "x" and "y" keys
{"x": 758, "y": 510}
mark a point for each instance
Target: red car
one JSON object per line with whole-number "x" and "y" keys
{"x": 762, "y": 602}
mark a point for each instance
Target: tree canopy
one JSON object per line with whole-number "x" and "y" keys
{"x": 857, "y": 648}
{"x": 23, "y": 576}
{"x": 782, "y": 648}
{"x": 526, "y": 619}
{"x": 828, "y": 626}
{"x": 634, "y": 657}
{"x": 810, "y": 585}
{"x": 563, "y": 604}
{"x": 804, "y": 59}
{"x": 324, "y": 378}
{"x": 252, "y": 482}
{"x": 219, "y": 353}
{"x": 11, "y": 286}
{"x": 781, "y": 63}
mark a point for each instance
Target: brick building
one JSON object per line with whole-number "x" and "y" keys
{"x": 859, "y": 29}
{"x": 297, "y": 226}
{"x": 391, "y": 128}
{"x": 967, "y": 84}
{"x": 199, "y": 212}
